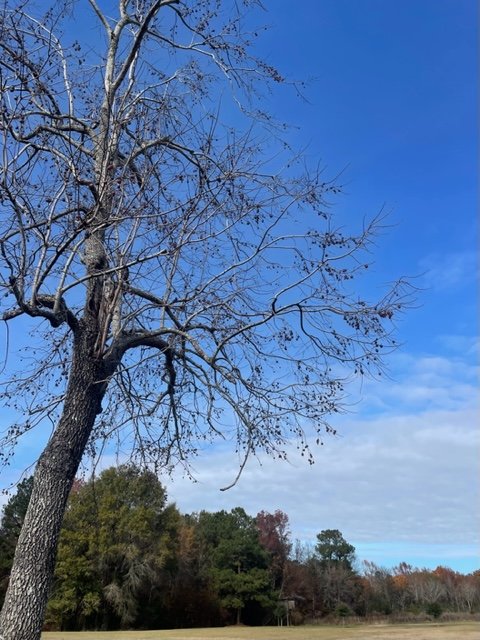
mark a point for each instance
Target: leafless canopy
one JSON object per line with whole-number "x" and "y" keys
{"x": 144, "y": 194}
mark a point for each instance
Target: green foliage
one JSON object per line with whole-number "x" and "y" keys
{"x": 332, "y": 548}
{"x": 342, "y": 610}
{"x": 13, "y": 515}
{"x": 117, "y": 539}
{"x": 434, "y": 609}
{"x": 230, "y": 540}
{"x": 235, "y": 560}
{"x": 238, "y": 588}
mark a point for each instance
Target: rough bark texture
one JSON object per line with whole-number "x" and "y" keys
{"x": 26, "y": 599}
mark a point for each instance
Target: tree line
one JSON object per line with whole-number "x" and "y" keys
{"x": 128, "y": 558}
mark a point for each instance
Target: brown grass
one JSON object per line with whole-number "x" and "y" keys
{"x": 429, "y": 631}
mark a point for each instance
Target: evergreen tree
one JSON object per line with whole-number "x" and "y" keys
{"x": 115, "y": 551}
{"x": 333, "y": 549}
{"x": 13, "y": 515}
{"x": 338, "y": 581}
{"x": 237, "y": 563}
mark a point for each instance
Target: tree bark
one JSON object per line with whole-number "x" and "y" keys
{"x": 33, "y": 567}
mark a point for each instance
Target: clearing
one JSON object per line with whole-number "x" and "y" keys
{"x": 430, "y": 631}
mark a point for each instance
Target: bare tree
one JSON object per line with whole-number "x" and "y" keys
{"x": 188, "y": 282}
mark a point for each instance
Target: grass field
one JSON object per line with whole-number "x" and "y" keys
{"x": 430, "y": 631}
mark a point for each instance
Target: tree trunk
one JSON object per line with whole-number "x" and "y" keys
{"x": 23, "y": 611}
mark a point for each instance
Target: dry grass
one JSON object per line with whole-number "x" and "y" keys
{"x": 430, "y": 631}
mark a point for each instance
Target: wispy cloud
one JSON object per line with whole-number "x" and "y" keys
{"x": 446, "y": 271}
{"x": 426, "y": 382}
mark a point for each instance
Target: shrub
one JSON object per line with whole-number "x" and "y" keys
{"x": 434, "y": 609}
{"x": 342, "y": 610}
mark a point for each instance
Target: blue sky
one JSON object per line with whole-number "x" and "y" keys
{"x": 392, "y": 108}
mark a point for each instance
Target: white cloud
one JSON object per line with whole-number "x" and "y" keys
{"x": 400, "y": 478}
{"x": 404, "y": 472}
{"x": 402, "y": 475}
{"x": 425, "y": 382}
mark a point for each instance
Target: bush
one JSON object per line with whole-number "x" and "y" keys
{"x": 434, "y": 609}
{"x": 342, "y": 610}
